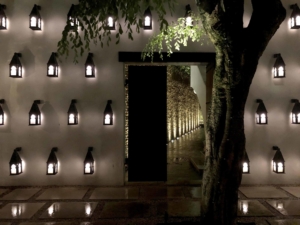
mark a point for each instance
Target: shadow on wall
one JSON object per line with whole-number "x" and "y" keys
{"x": 6, "y": 128}
{"x": 49, "y": 116}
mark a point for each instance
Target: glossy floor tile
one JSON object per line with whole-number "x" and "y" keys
{"x": 192, "y": 192}
{"x": 262, "y": 192}
{"x": 179, "y": 208}
{"x": 161, "y": 192}
{"x": 2, "y": 190}
{"x": 252, "y": 208}
{"x": 286, "y": 207}
{"x": 126, "y": 210}
{"x": 293, "y": 190}
{"x": 115, "y": 193}
{"x": 19, "y": 210}
{"x": 63, "y": 193}
{"x": 284, "y": 222}
{"x": 68, "y": 210}
{"x": 20, "y": 194}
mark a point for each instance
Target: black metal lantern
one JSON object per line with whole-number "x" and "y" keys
{"x": 3, "y": 19}
{"x": 35, "y": 114}
{"x": 279, "y": 67}
{"x": 148, "y": 19}
{"x": 188, "y": 16}
{"x": 261, "y": 113}
{"x": 295, "y": 17}
{"x": 15, "y": 163}
{"x": 52, "y": 66}
{"x": 35, "y": 19}
{"x": 246, "y": 163}
{"x": 89, "y": 162}
{"x": 112, "y": 16}
{"x": 72, "y": 113}
{"x": 15, "y": 66}
{"x": 1, "y": 112}
{"x": 108, "y": 114}
{"x": 52, "y": 163}
{"x": 296, "y": 112}
{"x": 278, "y": 161}
{"x": 89, "y": 66}
{"x": 72, "y": 18}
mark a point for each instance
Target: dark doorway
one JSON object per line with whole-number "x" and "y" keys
{"x": 147, "y": 150}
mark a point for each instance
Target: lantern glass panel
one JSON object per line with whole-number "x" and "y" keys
{"x": 3, "y": 24}
{"x": 188, "y": 21}
{"x": 13, "y": 169}
{"x": 71, "y": 119}
{"x": 147, "y": 21}
{"x": 87, "y": 168}
{"x": 245, "y": 167}
{"x": 33, "y": 22}
{"x": 107, "y": 119}
{"x": 280, "y": 167}
{"x": 89, "y": 70}
{"x": 110, "y": 22}
{"x": 51, "y": 168}
{"x": 13, "y": 71}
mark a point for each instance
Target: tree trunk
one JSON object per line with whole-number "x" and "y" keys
{"x": 238, "y": 50}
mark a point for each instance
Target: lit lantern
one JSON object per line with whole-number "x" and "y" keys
{"x": 35, "y": 114}
{"x": 278, "y": 161}
{"x": 147, "y": 19}
{"x": 111, "y": 23}
{"x": 15, "y": 66}
{"x": 296, "y": 112}
{"x": 295, "y": 17}
{"x": 188, "y": 16}
{"x": 15, "y": 163}
{"x": 108, "y": 114}
{"x": 261, "y": 113}
{"x": 35, "y": 19}
{"x": 89, "y": 162}
{"x": 246, "y": 163}
{"x": 72, "y": 18}
{"x": 1, "y": 112}
{"x": 72, "y": 113}
{"x": 279, "y": 67}
{"x": 112, "y": 16}
{"x": 3, "y": 20}
{"x": 52, "y": 163}
{"x": 89, "y": 66}
{"x": 52, "y": 66}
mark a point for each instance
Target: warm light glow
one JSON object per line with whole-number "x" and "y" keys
{"x": 189, "y": 21}
{"x": 13, "y": 71}
{"x": 71, "y": 21}
{"x": 107, "y": 119}
{"x": 50, "y": 168}
{"x": 89, "y": 70}
{"x": 1, "y": 119}
{"x": 279, "y": 205}
{"x": 147, "y": 21}
{"x": 32, "y": 119}
{"x": 87, "y": 168}
{"x": 88, "y": 209}
{"x": 33, "y": 22}
{"x": 51, "y": 210}
{"x": 39, "y": 23}
{"x": 20, "y": 168}
{"x": 263, "y": 118}
{"x": 110, "y": 21}
{"x": 280, "y": 167}
{"x": 294, "y": 118}
{"x": 3, "y": 22}
{"x": 245, "y": 167}
{"x": 280, "y": 71}
{"x": 71, "y": 119}
{"x": 245, "y": 207}
{"x": 51, "y": 70}
{"x": 16, "y": 210}
{"x": 274, "y": 166}
{"x": 297, "y": 20}
{"x": 13, "y": 169}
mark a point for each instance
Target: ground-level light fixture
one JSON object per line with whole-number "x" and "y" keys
{"x": 148, "y": 19}
{"x": 89, "y": 66}
{"x": 73, "y": 113}
{"x": 72, "y": 19}
{"x": 279, "y": 67}
{"x": 108, "y": 114}
{"x": 35, "y": 114}
{"x": 246, "y": 163}
{"x": 278, "y": 161}
{"x": 2, "y": 101}
{"x": 188, "y": 16}
{"x": 35, "y": 19}
{"x": 15, "y": 66}
{"x": 89, "y": 162}
{"x": 261, "y": 113}
{"x": 295, "y": 17}
{"x": 52, "y": 66}
{"x": 15, "y": 163}
{"x": 296, "y": 112}
{"x": 52, "y": 163}
{"x": 3, "y": 19}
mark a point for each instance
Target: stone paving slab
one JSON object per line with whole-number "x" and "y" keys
{"x": 293, "y": 190}
{"x": 100, "y": 223}
{"x": 63, "y": 193}
{"x": 179, "y": 209}
{"x": 115, "y": 193}
{"x": 69, "y": 210}
{"x": 4, "y": 223}
{"x": 2, "y": 190}
{"x": 19, "y": 210}
{"x": 161, "y": 192}
{"x": 262, "y": 192}
{"x": 20, "y": 194}
{"x": 286, "y": 207}
{"x": 192, "y": 192}
{"x": 252, "y": 208}
{"x": 284, "y": 222}
{"x": 46, "y": 223}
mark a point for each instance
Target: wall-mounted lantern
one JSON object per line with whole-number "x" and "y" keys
{"x": 89, "y": 162}
{"x": 108, "y": 114}
{"x": 111, "y": 23}
{"x": 35, "y": 114}
{"x": 296, "y": 112}
{"x": 246, "y": 163}
{"x": 295, "y": 17}
{"x": 112, "y": 17}
{"x": 73, "y": 113}
{"x": 15, "y": 163}
{"x": 188, "y": 16}
{"x": 279, "y": 67}
{"x": 3, "y": 19}
{"x": 2, "y": 101}
{"x": 52, "y": 66}
{"x": 15, "y": 66}
{"x": 261, "y": 113}
{"x": 89, "y": 66}
{"x": 72, "y": 18}
{"x": 35, "y": 19}
{"x": 278, "y": 161}
{"x": 148, "y": 19}
{"x": 52, "y": 163}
